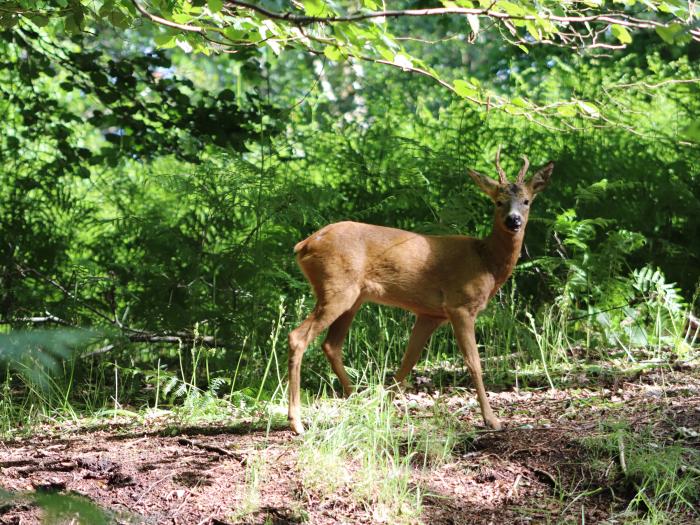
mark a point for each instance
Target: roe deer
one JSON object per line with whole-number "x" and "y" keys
{"x": 439, "y": 278}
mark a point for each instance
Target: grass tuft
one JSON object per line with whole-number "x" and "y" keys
{"x": 659, "y": 478}
{"x": 367, "y": 449}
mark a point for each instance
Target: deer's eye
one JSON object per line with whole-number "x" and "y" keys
{"x": 499, "y": 203}
{"x": 526, "y": 202}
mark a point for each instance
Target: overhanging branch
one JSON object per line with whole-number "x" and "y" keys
{"x": 613, "y": 17}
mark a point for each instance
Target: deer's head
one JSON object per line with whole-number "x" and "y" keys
{"x": 513, "y": 200}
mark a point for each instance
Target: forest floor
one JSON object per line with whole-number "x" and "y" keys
{"x": 538, "y": 470}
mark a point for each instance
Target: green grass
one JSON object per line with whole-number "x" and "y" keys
{"x": 659, "y": 478}
{"x": 519, "y": 348}
{"x": 256, "y": 471}
{"x": 367, "y": 448}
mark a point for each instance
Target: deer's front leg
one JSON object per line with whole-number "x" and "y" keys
{"x": 463, "y": 325}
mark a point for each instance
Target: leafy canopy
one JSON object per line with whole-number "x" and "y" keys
{"x": 362, "y": 30}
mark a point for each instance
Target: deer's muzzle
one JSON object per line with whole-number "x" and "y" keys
{"x": 514, "y": 222}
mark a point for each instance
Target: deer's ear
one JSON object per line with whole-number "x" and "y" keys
{"x": 486, "y": 184}
{"x": 539, "y": 180}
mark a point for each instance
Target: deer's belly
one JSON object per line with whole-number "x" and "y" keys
{"x": 419, "y": 299}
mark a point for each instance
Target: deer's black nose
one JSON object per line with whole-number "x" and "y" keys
{"x": 514, "y": 222}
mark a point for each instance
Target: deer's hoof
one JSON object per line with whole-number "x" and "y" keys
{"x": 296, "y": 427}
{"x": 494, "y": 424}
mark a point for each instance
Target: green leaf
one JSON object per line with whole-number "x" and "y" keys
{"x": 72, "y": 24}
{"x": 511, "y": 8}
{"x": 40, "y": 20}
{"x": 386, "y": 53}
{"x": 568, "y": 110}
{"x": 533, "y": 30}
{"x": 165, "y": 40}
{"x": 546, "y": 25}
{"x": 181, "y": 18}
{"x": 333, "y": 53}
{"x": 233, "y": 33}
{"x": 12, "y": 142}
{"x": 621, "y": 33}
{"x": 56, "y": 506}
{"x": 520, "y": 102}
{"x": 692, "y": 132}
{"x": 679, "y": 8}
{"x": 464, "y": 89}
{"x": 315, "y": 7}
{"x": 670, "y": 34}
{"x": 106, "y": 8}
{"x": 118, "y": 19}
{"x": 588, "y": 108}
{"x": 215, "y": 5}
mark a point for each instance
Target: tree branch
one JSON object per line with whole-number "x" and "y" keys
{"x": 47, "y": 319}
{"x": 134, "y": 335}
{"x": 614, "y": 17}
{"x": 167, "y": 23}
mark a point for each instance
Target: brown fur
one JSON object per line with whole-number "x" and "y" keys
{"x": 439, "y": 278}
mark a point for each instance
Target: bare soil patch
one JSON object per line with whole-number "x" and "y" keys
{"x": 536, "y": 471}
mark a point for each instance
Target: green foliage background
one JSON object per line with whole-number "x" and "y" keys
{"x": 152, "y": 192}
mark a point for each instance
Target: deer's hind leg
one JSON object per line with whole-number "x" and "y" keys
{"x": 422, "y": 330}
{"x": 333, "y": 346}
{"x": 327, "y": 310}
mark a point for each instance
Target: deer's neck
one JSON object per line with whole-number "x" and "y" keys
{"x": 502, "y": 253}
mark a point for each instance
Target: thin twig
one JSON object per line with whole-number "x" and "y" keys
{"x": 621, "y": 448}
{"x": 213, "y": 448}
{"x": 153, "y": 485}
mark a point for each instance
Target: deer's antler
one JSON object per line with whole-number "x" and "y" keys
{"x": 501, "y": 173}
{"x": 523, "y": 170}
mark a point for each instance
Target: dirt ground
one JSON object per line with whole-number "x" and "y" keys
{"x": 536, "y": 471}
